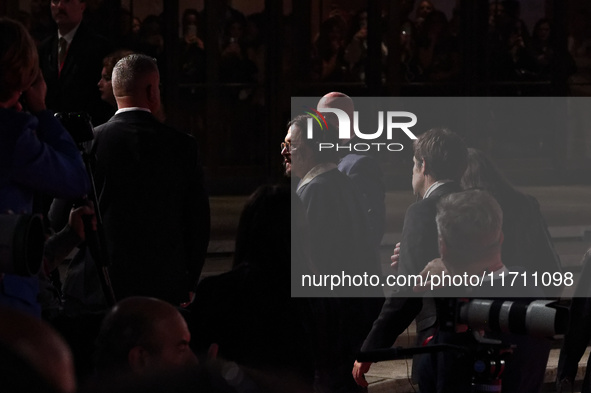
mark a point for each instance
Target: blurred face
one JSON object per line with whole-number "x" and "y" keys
{"x": 297, "y": 158}
{"x": 173, "y": 338}
{"x": 106, "y": 88}
{"x": 136, "y": 25}
{"x": 544, "y": 32}
{"x": 286, "y": 153}
{"x": 418, "y": 177}
{"x": 67, "y": 13}
{"x": 425, "y": 8}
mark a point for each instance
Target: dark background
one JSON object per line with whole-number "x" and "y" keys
{"x": 240, "y": 119}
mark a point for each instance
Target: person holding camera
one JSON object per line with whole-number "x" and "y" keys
{"x": 36, "y": 152}
{"x": 469, "y": 227}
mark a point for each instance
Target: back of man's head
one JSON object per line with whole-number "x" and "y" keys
{"x": 444, "y": 153}
{"x": 135, "y": 334}
{"x": 469, "y": 224}
{"x": 132, "y": 74}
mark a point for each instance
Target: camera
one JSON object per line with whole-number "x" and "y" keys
{"x": 537, "y": 318}
{"x": 21, "y": 244}
{"x": 78, "y": 125}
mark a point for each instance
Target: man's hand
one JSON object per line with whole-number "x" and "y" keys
{"x": 35, "y": 95}
{"x": 433, "y": 268}
{"x": 359, "y": 370}
{"x": 395, "y": 258}
{"x": 76, "y": 221}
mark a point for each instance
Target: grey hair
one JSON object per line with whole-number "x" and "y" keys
{"x": 470, "y": 224}
{"x": 129, "y": 71}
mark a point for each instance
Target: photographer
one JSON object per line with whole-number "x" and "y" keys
{"x": 469, "y": 225}
{"x": 36, "y": 152}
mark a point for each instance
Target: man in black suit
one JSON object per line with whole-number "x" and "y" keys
{"x": 362, "y": 168}
{"x": 339, "y": 241}
{"x": 440, "y": 159}
{"x": 151, "y": 192}
{"x": 71, "y": 61}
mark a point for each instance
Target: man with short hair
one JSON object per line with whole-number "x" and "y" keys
{"x": 143, "y": 335}
{"x": 440, "y": 159}
{"x": 151, "y": 192}
{"x": 469, "y": 225}
{"x": 71, "y": 61}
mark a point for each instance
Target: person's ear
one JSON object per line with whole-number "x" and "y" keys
{"x": 137, "y": 358}
{"x": 423, "y": 167}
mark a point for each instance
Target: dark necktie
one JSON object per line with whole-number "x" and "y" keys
{"x": 62, "y": 51}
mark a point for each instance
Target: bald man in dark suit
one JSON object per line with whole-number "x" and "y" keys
{"x": 151, "y": 192}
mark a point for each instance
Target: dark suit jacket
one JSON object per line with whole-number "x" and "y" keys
{"x": 367, "y": 178}
{"x": 154, "y": 205}
{"x": 578, "y": 334}
{"x": 418, "y": 246}
{"x": 75, "y": 88}
{"x": 275, "y": 329}
{"x": 338, "y": 228}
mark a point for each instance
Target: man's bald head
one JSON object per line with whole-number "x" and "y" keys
{"x": 337, "y": 100}
{"x": 140, "y": 332}
{"x": 135, "y": 82}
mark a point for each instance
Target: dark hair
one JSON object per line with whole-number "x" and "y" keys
{"x": 444, "y": 152}
{"x": 123, "y": 328}
{"x": 188, "y": 12}
{"x": 112, "y": 58}
{"x": 323, "y": 44}
{"x": 537, "y": 26}
{"x": 482, "y": 173}
{"x": 325, "y": 134}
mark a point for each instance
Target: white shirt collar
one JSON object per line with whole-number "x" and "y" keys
{"x": 69, "y": 36}
{"x": 316, "y": 171}
{"x": 133, "y": 108}
{"x": 497, "y": 273}
{"x": 434, "y": 186}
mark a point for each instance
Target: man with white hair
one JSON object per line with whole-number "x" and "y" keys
{"x": 469, "y": 225}
{"x": 151, "y": 192}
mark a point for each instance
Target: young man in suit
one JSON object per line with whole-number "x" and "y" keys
{"x": 151, "y": 192}
{"x": 440, "y": 159}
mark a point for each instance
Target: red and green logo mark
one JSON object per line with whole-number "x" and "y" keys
{"x": 317, "y": 116}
